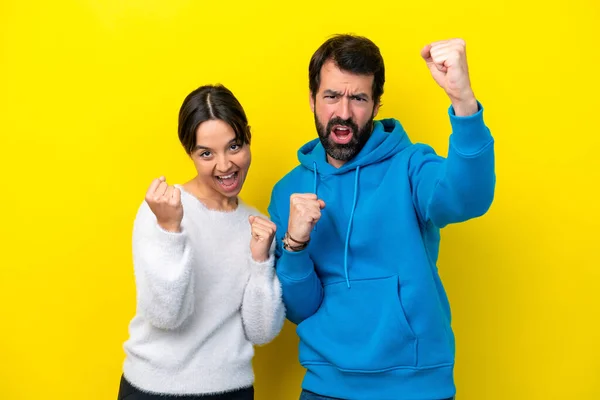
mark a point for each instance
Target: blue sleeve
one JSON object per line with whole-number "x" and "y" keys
{"x": 302, "y": 290}
{"x": 461, "y": 186}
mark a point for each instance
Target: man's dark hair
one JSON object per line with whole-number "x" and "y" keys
{"x": 351, "y": 53}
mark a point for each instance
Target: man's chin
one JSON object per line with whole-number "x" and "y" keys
{"x": 341, "y": 154}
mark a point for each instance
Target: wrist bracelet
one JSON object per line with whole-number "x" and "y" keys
{"x": 287, "y": 246}
{"x": 294, "y": 240}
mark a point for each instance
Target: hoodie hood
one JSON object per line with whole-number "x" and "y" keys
{"x": 388, "y": 139}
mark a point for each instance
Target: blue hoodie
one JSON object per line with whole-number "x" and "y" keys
{"x": 373, "y": 318}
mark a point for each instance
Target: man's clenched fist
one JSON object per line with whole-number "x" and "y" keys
{"x": 447, "y": 62}
{"x": 305, "y": 211}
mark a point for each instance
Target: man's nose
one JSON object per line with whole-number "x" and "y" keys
{"x": 344, "y": 111}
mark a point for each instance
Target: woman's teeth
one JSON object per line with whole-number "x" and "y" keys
{"x": 228, "y": 180}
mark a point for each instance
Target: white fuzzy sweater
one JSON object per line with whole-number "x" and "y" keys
{"x": 202, "y": 302}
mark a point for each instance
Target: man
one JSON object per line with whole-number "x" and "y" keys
{"x": 358, "y": 228}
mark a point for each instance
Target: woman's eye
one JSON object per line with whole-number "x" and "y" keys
{"x": 205, "y": 154}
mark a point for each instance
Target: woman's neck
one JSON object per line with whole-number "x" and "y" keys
{"x": 211, "y": 198}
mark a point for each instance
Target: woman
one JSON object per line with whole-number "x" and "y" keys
{"x": 203, "y": 261}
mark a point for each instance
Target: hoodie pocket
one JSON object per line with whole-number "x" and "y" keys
{"x": 362, "y": 328}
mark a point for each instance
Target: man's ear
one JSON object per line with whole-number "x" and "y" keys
{"x": 311, "y": 100}
{"x": 376, "y": 108}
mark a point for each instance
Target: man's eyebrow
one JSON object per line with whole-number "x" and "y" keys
{"x": 330, "y": 92}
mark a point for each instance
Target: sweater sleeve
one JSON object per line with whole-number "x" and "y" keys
{"x": 263, "y": 312}
{"x": 163, "y": 272}
{"x": 461, "y": 186}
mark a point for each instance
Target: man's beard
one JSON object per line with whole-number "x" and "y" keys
{"x": 344, "y": 152}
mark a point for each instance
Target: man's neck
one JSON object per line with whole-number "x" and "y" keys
{"x": 334, "y": 162}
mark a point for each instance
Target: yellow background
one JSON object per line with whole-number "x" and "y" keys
{"x": 90, "y": 92}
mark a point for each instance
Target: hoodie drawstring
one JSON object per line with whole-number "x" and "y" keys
{"x": 350, "y": 226}
{"x": 347, "y": 244}
{"x": 315, "y": 171}
{"x": 315, "y": 188}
